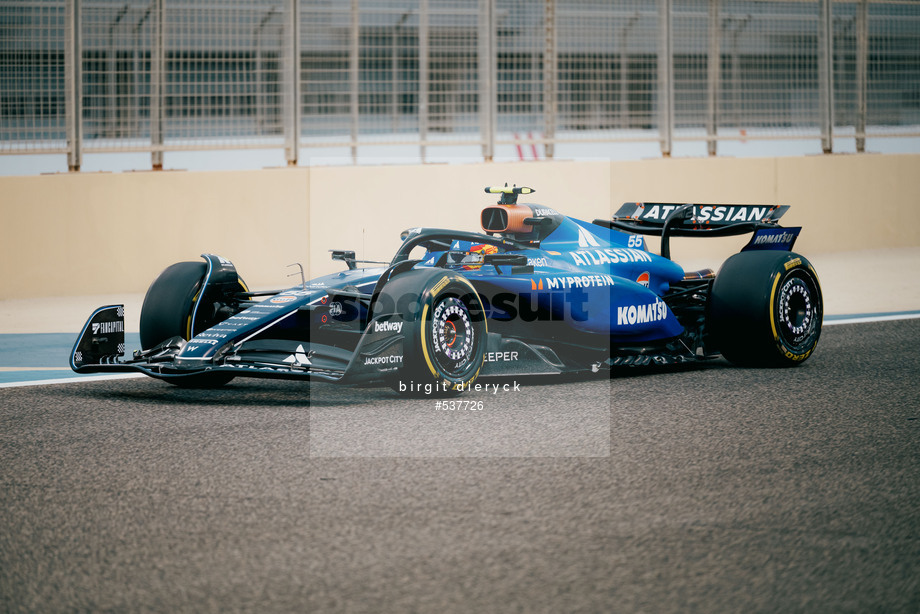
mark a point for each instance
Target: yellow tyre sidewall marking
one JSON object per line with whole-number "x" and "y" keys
{"x": 424, "y": 338}
{"x": 188, "y": 322}
{"x": 772, "y": 303}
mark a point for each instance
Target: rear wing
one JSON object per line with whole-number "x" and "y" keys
{"x": 695, "y": 220}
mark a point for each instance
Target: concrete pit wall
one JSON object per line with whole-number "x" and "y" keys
{"x": 83, "y": 234}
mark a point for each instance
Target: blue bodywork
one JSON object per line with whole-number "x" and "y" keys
{"x": 557, "y": 294}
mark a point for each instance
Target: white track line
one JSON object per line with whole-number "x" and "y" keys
{"x": 72, "y": 380}
{"x": 863, "y": 319}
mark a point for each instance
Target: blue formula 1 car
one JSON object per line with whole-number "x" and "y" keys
{"x": 536, "y": 293}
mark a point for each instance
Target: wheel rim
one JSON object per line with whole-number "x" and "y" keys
{"x": 798, "y": 312}
{"x": 453, "y": 337}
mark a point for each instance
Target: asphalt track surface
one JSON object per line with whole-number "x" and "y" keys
{"x": 697, "y": 490}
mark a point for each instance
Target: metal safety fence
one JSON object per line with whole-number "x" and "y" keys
{"x": 85, "y": 76}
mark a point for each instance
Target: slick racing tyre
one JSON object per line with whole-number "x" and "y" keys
{"x": 444, "y": 331}
{"x": 167, "y": 313}
{"x": 766, "y": 309}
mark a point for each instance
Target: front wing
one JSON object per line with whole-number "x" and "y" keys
{"x": 378, "y": 356}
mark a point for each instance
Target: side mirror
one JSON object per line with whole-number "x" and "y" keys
{"x": 505, "y": 259}
{"x": 347, "y": 256}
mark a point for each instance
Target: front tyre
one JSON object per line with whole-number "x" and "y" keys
{"x": 444, "y": 335}
{"x": 167, "y": 313}
{"x": 168, "y": 304}
{"x": 766, "y": 309}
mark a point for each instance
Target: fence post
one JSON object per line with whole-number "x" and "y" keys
{"x": 73, "y": 84}
{"x": 135, "y": 114}
{"x": 423, "y": 78}
{"x": 261, "y": 96}
{"x": 714, "y": 74}
{"x": 113, "y": 119}
{"x": 665, "y": 78}
{"x": 487, "y": 73}
{"x": 624, "y": 68}
{"x": 862, "y": 62}
{"x": 549, "y": 79}
{"x": 291, "y": 82}
{"x": 354, "y": 78}
{"x": 157, "y": 81}
{"x": 826, "y": 75}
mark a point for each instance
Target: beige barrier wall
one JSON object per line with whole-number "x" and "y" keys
{"x": 110, "y": 233}
{"x": 79, "y": 234}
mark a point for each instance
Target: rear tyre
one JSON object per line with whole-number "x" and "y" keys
{"x": 167, "y": 313}
{"x": 444, "y": 332}
{"x": 766, "y": 309}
